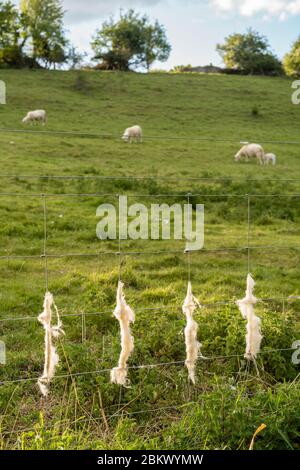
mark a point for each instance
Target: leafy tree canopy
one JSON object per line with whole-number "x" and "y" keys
{"x": 249, "y": 53}
{"x": 291, "y": 61}
{"x": 130, "y": 42}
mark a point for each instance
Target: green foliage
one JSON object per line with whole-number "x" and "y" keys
{"x": 11, "y": 41}
{"x": 42, "y": 21}
{"x": 249, "y": 53}
{"x": 33, "y": 35}
{"x": 255, "y": 111}
{"x": 291, "y": 61}
{"x": 130, "y": 42}
{"x": 227, "y": 417}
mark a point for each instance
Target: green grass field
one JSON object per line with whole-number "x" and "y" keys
{"x": 161, "y": 410}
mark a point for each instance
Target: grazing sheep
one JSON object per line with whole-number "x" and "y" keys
{"x": 251, "y": 151}
{"x": 269, "y": 158}
{"x": 35, "y": 116}
{"x": 133, "y": 134}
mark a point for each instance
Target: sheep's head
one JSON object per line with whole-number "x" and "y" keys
{"x": 25, "y": 120}
{"x": 125, "y": 137}
{"x": 237, "y": 157}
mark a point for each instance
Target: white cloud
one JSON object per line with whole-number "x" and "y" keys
{"x": 281, "y": 9}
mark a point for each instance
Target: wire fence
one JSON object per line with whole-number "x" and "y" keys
{"x": 108, "y": 135}
{"x": 45, "y": 255}
{"x": 195, "y": 179}
{"x": 159, "y": 309}
{"x": 140, "y": 366}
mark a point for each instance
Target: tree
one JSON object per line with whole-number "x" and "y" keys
{"x": 10, "y": 35}
{"x": 291, "y": 61}
{"x": 42, "y": 22}
{"x": 156, "y": 46}
{"x": 249, "y": 53}
{"x": 130, "y": 42}
{"x": 75, "y": 58}
{"x": 32, "y": 35}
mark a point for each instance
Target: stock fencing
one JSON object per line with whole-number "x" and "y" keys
{"x": 248, "y": 248}
{"x": 45, "y": 255}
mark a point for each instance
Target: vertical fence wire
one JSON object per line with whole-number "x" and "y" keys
{"x": 248, "y": 232}
{"x": 45, "y": 255}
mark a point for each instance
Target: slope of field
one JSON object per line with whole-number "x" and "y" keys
{"x": 193, "y": 125}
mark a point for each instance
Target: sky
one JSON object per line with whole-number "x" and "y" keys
{"x": 194, "y": 27}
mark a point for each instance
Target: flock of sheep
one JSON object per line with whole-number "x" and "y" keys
{"x": 135, "y": 134}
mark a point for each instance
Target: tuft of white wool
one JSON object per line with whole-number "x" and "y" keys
{"x": 246, "y": 306}
{"x": 51, "y": 356}
{"x": 190, "y": 333}
{"x": 125, "y": 315}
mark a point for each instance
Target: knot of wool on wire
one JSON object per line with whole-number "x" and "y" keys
{"x": 190, "y": 332}
{"x": 51, "y": 356}
{"x": 125, "y": 315}
{"x": 246, "y": 306}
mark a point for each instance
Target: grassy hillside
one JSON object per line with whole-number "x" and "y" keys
{"x": 160, "y": 410}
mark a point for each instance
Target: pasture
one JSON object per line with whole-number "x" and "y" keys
{"x": 192, "y": 125}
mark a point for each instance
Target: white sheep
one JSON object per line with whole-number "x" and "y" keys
{"x": 133, "y": 133}
{"x": 251, "y": 151}
{"x": 35, "y": 116}
{"x": 269, "y": 158}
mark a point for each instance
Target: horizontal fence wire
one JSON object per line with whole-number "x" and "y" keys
{"x": 149, "y": 253}
{"x": 107, "y": 135}
{"x": 157, "y": 310}
{"x": 156, "y": 196}
{"x": 244, "y": 178}
{"x": 141, "y": 366}
{"x": 123, "y": 412}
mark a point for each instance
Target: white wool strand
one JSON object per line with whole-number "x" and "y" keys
{"x": 253, "y": 336}
{"x": 125, "y": 315}
{"x": 51, "y": 356}
{"x": 190, "y": 333}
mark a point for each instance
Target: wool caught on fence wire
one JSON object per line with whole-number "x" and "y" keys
{"x": 190, "y": 332}
{"x": 51, "y": 356}
{"x": 246, "y": 306}
{"x": 125, "y": 315}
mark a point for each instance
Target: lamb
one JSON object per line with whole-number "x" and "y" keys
{"x": 251, "y": 151}
{"x": 269, "y": 158}
{"x": 132, "y": 134}
{"x": 35, "y": 116}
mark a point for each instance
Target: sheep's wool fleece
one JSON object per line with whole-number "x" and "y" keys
{"x": 190, "y": 333}
{"x": 125, "y": 316}
{"x": 51, "y": 356}
{"x": 246, "y": 306}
